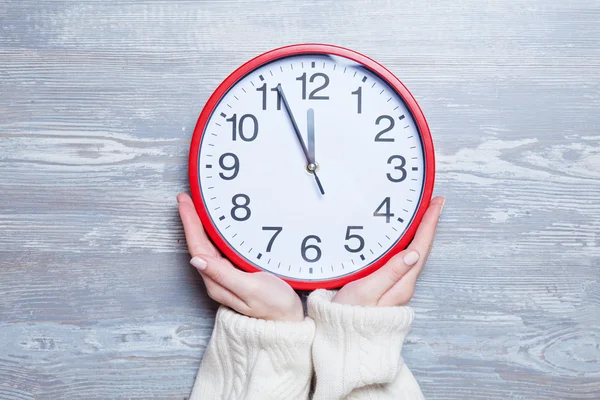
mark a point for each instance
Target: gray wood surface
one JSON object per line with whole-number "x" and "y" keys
{"x": 98, "y": 101}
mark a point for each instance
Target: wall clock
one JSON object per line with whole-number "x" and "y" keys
{"x": 312, "y": 162}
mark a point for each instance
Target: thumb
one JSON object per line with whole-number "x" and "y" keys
{"x": 221, "y": 271}
{"x": 383, "y": 279}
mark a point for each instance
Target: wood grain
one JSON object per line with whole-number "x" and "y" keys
{"x": 98, "y": 101}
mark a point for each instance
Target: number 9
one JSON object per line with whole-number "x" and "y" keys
{"x": 235, "y": 167}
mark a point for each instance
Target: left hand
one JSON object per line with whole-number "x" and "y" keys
{"x": 257, "y": 295}
{"x": 394, "y": 283}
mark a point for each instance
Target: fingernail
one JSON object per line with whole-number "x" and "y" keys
{"x": 442, "y": 207}
{"x": 199, "y": 263}
{"x": 411, "y": 258}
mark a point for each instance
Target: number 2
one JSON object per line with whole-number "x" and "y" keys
{"x": 378, "y": 138}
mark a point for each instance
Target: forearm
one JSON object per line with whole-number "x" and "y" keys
{"x": 248, "y": 358}
{"x": 357, "y": 350}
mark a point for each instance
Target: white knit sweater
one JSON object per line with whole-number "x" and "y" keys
{"x": 354, "y": 352}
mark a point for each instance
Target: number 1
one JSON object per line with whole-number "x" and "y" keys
{"x": 358, "y": 92}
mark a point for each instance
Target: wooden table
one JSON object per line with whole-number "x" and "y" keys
{"x": 98, "y": 101}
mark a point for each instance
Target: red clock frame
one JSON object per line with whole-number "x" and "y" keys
{"x": 294, "y": 50}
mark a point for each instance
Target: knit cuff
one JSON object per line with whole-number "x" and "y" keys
{"x": 252, "y": 359}
{"x": 263, "y": 333}
{"x": 366, "y": 321}
{"x": 355, "y": 346}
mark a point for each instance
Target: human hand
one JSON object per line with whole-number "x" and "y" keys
{"x": 258, "y": 294}
{"x": 394, "y": 283}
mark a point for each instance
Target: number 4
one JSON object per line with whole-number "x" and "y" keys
{"x": 387, "y": 214}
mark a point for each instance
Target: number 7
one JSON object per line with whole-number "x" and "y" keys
{"x": 277, "y": 230}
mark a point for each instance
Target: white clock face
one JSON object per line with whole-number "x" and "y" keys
{"x": 255, "y": 180}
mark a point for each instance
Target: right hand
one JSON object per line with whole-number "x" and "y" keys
{"x": 394, "y": 283}
{"x": 258, "y": 294}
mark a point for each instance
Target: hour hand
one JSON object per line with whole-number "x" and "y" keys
{"x": 310, "y": 165}
{"x": 310, "y": 118}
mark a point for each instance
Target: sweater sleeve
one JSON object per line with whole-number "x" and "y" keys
{"x": 357, "y": 350}
{"x": 249, "y": 358}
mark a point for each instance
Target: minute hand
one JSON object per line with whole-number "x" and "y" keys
{"x": 309, "y": 160}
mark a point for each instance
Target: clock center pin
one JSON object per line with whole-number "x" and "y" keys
{"x": 312, "y": 167}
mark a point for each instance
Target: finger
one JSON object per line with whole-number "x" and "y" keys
{"x": 401, "y": 292}
{"x": 380, "y": 281}
{"x": 423, "y": 240}
{"x": 223, "y": 295}
{"x": 221, "y": 271}
{"x": 197, "y": 241}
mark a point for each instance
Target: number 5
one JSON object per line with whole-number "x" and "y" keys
{"x": 361, "y": 241}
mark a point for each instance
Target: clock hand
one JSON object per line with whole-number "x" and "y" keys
{"x": 311, "y": 166}
{"x": 310, "y": 129}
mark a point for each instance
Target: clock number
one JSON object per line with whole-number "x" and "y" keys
{"x": 235, "y": 167}
{"x": 361, "y": 241}
{"x": 240, "y": 206}
{"x": 387, "y": 214}
{"x": 304, "y": 248}
{"x": 397, "y": 167}
{"x": 378, "y": 138}
{"x": 263, "y": 89}
{"x": 277, "y": 230}
{"x": 358, "y": 93}
{"x": 313, "y": 94}
{"x": 235, "y": 129}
